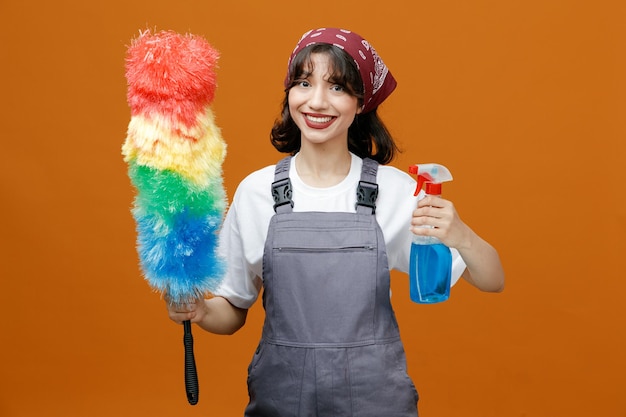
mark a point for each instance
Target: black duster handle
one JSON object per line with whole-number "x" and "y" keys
{"x": 191, "y": 375}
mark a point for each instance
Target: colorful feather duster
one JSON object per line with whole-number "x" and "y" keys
{"x": 175, "y": 153}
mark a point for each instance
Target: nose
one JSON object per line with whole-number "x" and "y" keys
{"x": 318, "y": 97}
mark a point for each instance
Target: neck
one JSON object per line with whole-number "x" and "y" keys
{"x": 323, "y": 169}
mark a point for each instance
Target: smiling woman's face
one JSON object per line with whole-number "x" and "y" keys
{"x": 320, "y": 107}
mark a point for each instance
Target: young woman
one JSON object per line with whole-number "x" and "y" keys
{"x": 319, "y": 232}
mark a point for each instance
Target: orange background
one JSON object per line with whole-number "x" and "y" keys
{"x": 524, "y": 100}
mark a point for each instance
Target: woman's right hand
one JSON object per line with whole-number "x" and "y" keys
{"x": 194, "y": 311}
{"x": 215, "y": 315}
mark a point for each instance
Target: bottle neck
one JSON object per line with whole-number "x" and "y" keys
{"x": 433, "y": 189}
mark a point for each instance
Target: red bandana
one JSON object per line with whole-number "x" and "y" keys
{"x": 378, "y": 82}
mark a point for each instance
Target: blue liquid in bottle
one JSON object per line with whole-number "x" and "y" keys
{"x": 430, "y": 272}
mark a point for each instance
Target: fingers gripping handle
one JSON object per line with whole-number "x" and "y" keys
{"x": 191, "y": 374}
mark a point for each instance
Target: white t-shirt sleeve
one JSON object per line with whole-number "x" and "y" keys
{"x": 242, "y": 238}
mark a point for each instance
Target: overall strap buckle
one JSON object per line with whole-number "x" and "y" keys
{"x": 366, "y": 195}
{"x": 281, "y": 193}
{"x": 367, "y": 191}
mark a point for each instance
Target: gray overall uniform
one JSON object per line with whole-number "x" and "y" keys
{"x": 330, "y": 343}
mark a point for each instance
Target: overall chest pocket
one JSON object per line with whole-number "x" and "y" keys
{"x": 323, "y": 286}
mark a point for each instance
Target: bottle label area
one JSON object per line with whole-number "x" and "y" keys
{"x": 430, "y": 272}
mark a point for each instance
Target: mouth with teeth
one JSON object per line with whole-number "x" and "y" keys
{"x": 318, "y": 121}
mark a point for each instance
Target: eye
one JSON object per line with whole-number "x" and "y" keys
{"x": 338, "y": 88}
{"x": 303, "y": 83}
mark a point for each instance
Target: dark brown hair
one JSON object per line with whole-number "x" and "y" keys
{"x": 367, "y": 136}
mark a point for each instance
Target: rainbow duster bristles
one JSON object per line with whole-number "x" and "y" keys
{"x": 174, "y": 153}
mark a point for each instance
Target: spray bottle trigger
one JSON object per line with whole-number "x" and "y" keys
{"x": 421, "y": 178}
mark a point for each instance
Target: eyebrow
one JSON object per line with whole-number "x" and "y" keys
{"x": 331, "y": 77}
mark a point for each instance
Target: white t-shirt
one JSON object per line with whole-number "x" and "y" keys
{"x": 244, "y": 230}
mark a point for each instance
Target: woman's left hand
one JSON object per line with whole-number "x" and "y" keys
{"x": 445, "y": 223}
{"x": 484, "y": 269}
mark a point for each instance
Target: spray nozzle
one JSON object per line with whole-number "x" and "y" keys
{"x": 432, "y": 175}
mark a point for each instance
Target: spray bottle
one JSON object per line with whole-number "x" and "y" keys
{"x": 430, "y": 266}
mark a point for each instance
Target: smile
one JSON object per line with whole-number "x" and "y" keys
{"x": 318, "y": 121}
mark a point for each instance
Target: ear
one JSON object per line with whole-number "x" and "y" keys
{"x": 359, "y": 109}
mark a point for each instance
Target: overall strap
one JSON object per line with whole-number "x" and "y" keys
{"x": 281, "y": 187}
{"x": 367, "y": 191}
